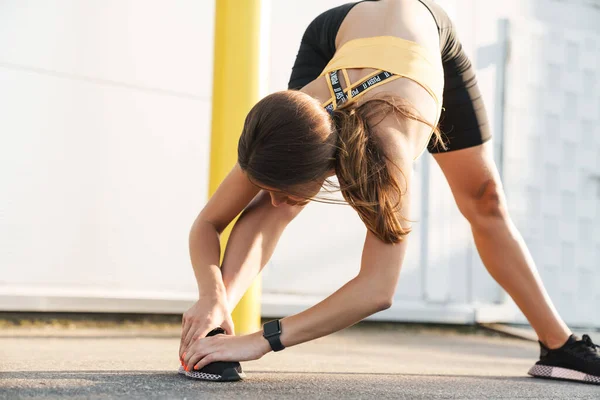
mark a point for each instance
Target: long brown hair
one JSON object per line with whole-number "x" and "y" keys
{"x": 289, "y": 140}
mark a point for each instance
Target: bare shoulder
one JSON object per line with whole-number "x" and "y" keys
{"x": 406, "y": 19}
{"x": 232, "y": 196}
{"x": 395, "y": 137}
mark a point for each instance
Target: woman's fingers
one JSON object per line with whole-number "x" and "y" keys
{"x": 198, "y": 331}
{"x": 191, "y": 334}
{"x": 186, "y": 325}
{"x": 203, "y": 316}
{"x": 195, "y": 358}
{"x": 198, "y": 351}
{"x": 210, "y": 358}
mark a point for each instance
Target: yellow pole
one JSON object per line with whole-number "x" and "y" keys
{"x": 235, "y": 91}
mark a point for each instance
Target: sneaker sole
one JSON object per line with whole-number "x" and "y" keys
{"x": 546, "y": 371}
{"x": 229, "y": 375}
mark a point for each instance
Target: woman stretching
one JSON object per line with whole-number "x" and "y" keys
{"x": 375, "y": 83}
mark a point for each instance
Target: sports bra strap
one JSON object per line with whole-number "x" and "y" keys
{"x": 340, "y": 96}
{"x": 348, "y": 84}
{"x": 370, "y": 81}
{"x": 353, "y": 91}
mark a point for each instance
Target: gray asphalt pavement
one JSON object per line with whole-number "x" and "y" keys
{"x": 381, "y": 361}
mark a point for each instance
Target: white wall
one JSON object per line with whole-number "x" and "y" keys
{"x": 553, "y": 151}
{"x": 116, "y": 145}
{"x": 105, "y": 117}
{"x": 105, "y": 120}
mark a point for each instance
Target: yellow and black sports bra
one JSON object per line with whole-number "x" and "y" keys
{"x": 393, "y": 58}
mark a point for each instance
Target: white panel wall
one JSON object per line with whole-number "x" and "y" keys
{"x": 118, "y": 151}
{"x": 105, "y": 116}
{"x": 553, "y": 155}
{"x": 103, "y": 164}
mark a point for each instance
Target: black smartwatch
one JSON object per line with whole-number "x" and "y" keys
{"x": 272, "y": 332}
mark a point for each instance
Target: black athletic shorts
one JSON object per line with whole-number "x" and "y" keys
{"x": 463, "y": 121}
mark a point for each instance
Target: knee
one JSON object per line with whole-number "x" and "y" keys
{"x": 486, "y": 205}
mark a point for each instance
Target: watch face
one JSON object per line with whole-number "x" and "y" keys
{"x": 272, "y": 328}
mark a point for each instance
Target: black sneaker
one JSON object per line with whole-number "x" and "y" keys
{"x": 576, "y": 360}
{"x": 219, "y": 371}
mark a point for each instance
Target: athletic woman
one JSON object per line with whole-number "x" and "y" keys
{"x": 375, "y": 83}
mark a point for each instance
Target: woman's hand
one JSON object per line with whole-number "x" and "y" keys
{"x": 205, "y": 315}
{"x": 204, "y": 351}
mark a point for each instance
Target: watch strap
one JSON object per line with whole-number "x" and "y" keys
{"x": 274, "y": 339}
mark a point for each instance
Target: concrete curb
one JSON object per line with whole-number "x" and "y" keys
{"x": 512, "y": 331}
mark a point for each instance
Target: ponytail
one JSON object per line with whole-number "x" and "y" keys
{"x": 363, "y": 169}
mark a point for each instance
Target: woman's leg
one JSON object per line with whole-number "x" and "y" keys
{"x": 252, "y": 243}
{"x": 476, "y": 186}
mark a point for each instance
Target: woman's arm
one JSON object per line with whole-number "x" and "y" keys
{"x": 252, "y": 243}
{"x": 205, "y": 250}
{"x": 233, "y": 194}
{"x": 212, "y": 308}
{"x": 372, "y": 290}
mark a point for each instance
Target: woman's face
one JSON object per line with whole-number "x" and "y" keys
{"x": 309, "y": 191}
{"x": 278, "y": 198}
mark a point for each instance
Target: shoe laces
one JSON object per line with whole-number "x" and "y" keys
{"x": 588, "y": 342}
{"x": 587, "y": 348}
